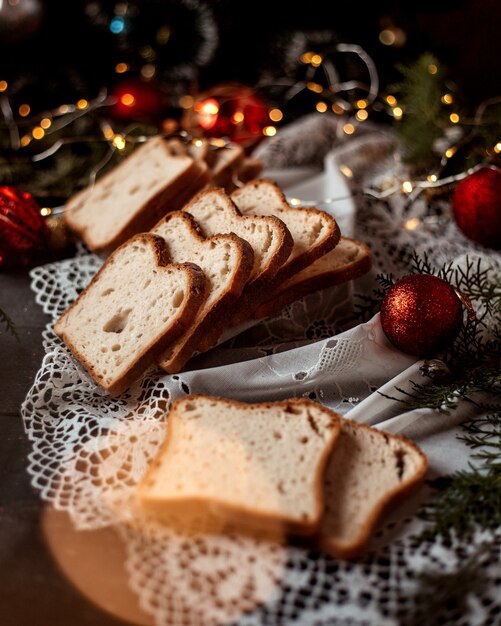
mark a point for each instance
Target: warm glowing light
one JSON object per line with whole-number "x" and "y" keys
{"x": 44, "y": 211}
{"x": 127, "y": 99}
{"x": 25, "y": 140}
{"x": 314, "y": 87}
{"x": 269, "y": 131}
{"x": 120, "y": 68}
{"x": 219, "y": 142}
{"x": 119, "y": 142}
{"x": 148, "y": 70}
{"x": 295, "y": 201}
{"x": 387, "y": 37}
{"x": 198, "y": 143}
{"x": 337, "y": 108}
{"x": 3, "y": 85}
{"x": 412, "y": 224}
{"x": 321, "y": 107}
{"x": 316, "y": 60}
{"x": 275, "y": 115}
{"x": 237, "y": 117}
{"x": 497, "y": 147}
{"x": 348, "y": 129}
{"x": 64, "y": 108}
{"x": 447, "y": 98}
{"x": 391, "y": 100}
{"x": 38, "y": 132}
{"x": 82, "y": 104}
{"x": 346, "y": 171}
{"x": 163, "y": 34}
{"x": 407, "y": 186}
{"x": 361, "y": 115}
{"x": 45, "y": 123}
{"x": 207, "y": 112}
{"x": 362, "y": 104}
{"x": 450, "y": 152}
{"x": 432, "y": 68}
{"x": 24, "y": 110}
{"x": 454, "y": 118}
{"x": 306, "y": 57}
{"x": 397, "y": 113}
{"x": 432, "y": 178}
{"x": 108, "y": 132}
{"x": 186, "y": 102}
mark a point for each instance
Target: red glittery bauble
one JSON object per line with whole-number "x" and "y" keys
{"x": 476, "y": 205}
{"x": 421, "y": 314}
{"x": 231, "y": 110}
{"x": 137, "y": 100}
{"x": 23, "y": 231}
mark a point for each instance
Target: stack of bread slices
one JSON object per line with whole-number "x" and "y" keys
{"x": 187, "y": 261}
{"x": 275, "y": 470}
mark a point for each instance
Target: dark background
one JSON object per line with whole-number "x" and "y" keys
{"x": 63, "y": 52}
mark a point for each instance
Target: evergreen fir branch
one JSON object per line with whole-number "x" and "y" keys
{"x": 471, "y": 498}
{"x": 419, "y": 92}
{"x": 365, "y": 306}
{"x": 442, "y": 597}
{"x": 8, "y": 324}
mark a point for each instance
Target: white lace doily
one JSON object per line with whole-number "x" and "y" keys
{"x": 89, "y": 451}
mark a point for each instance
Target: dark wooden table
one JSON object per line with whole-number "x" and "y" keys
{"x": 33, "y": 590}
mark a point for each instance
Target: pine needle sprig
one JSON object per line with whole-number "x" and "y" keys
{"x": 7, "y": 324}
{"x": 470, "y": 499}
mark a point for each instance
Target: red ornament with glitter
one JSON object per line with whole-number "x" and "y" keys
{"x": 421, "y": 314}
{"x": 476, "y": 205}
{"x": 23, "y": 232}
{"x": 137, "y": 100}
{"x": 230, "y": 110}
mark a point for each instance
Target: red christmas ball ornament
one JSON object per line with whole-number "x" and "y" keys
{"x": 476, "y": 205}
{"x": 230, "y": 110}
{"x": 23, "y": 231}
{"x": 421, "y": 314}
{"x": 137, "y": 100}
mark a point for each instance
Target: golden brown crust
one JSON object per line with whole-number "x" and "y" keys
{"x": 284, "y": 247}
{"x": 214, "y": 322}
{"x": 196, "y": 288}
{"x": 356, "y": 547}
{"x": 184, "y": 186}
{"x": 326, "y": 279}
{"x": 243, "y": 518}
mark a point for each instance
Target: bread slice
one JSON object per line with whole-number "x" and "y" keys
{"x": 367, "y": 471}
{"x": 314, "y": 232}
{"x": 226, "y": 261}
{"x": 348, "y": 260}
{"x": 224, "y": 163}
{"x": 133, "y": 308}
{"x": 256, "y": 467}
{"x": 133, "y": 196}
{"x": 270, "y": 239}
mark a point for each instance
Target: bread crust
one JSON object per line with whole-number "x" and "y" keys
{"x": 196, "y": 289}
{"x": 285, "y": 243}
{"x": 353, "y": 549}
{"x": 329, "y": 241}
{"x": 246, "y": 519}
{"x": 295, "y": 290}
{"x": 148, "y": 214}
{"x": 212, "y": 325}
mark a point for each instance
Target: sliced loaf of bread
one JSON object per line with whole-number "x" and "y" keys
{"x": 226, "y": 261}
{"x": 347, "y": 261}
{"x": 367, "y": 471}
{"x": 270, "y": 239}
{"x": 132, "y": 309}
{"x": 133, "y": 196}
{"x": 255, "y": 467}
{"x": 314, "y": 232}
